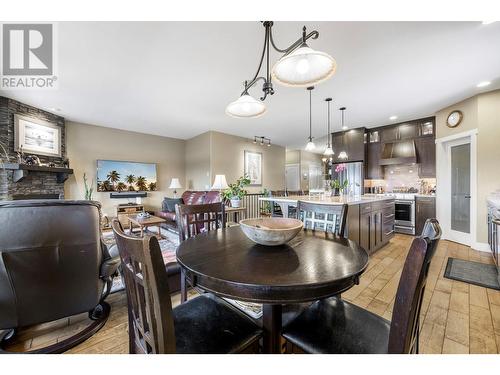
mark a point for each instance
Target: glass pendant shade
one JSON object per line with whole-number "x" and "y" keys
{"x": 328, "y": 151}
{"x": 310, "y": 145}
{"x": 246, "y": 106}
{"x": 343, "y": 155}
{"x": 304, "y": 67}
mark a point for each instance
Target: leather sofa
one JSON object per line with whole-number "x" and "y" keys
{"x": 53, "y": 264}
{"x": 188, "y": 197}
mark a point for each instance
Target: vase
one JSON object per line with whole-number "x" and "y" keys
{"x": 235, "y": 202}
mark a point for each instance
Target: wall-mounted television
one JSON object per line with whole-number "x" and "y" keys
{"x": 125, "y": 176}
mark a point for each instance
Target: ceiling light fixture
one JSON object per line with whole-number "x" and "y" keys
{"x": 483, "y": 84}
{"x": 310, "y": 144}
{"x": 300, "y": 66}
{"x": 329, "y": 149}
{"x": 262, "y": 140}
{"x": 343, "y": 153}
{"x": 392, "y": 118}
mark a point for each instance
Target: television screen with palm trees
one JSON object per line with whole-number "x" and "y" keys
{"x": 123, "y": 176}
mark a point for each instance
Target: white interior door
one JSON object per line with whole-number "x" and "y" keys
{"x": 292, "y": 177}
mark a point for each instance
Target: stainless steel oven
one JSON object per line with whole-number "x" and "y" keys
{"x": 404, "y": 216}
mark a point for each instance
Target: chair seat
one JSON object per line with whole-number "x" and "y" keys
{"x": 337, "y": 326}
{"x": 207, "y": 324}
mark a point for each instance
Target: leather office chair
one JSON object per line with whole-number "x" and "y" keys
{"x": 52, "y": 265}
{"x": 336, "y": 326}
{"x": 205, "y": 324}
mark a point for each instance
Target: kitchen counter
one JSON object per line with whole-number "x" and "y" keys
{"x": 370, "y": 218}
{"x": 292, "y": 200}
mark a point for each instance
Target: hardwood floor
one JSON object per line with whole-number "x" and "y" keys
{"x": 456, "y": 317}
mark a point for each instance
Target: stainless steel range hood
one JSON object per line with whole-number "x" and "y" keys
{"x": 402, "y": 152}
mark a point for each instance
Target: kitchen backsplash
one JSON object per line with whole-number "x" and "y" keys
{"x": 403, "y": 177}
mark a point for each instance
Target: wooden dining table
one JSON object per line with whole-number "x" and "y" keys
{"x": 312, "y": 266}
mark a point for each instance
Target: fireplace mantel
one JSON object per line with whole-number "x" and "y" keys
{"x": 22, "y": 170}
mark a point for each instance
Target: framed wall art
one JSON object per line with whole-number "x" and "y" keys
{"x": 253, "y": 167}
{"x": 36, "y": 136}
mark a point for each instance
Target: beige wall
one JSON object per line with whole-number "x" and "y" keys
{"x": 198, "y": 162}
{"x": 481, "y": 112}
{"x": 87, "y": 143}
{"x": 292, "y": 156}
{"x": 227, "y": 157}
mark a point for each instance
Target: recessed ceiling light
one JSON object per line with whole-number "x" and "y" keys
{"x": 487, "y": 22}
{"x": 483, "y": 84}
{"x": 393, "y": 118}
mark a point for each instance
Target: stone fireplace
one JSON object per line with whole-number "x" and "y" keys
{"x": 35, "y": 184}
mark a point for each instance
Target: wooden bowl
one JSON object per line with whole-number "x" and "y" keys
{"x": 271, "y": 231}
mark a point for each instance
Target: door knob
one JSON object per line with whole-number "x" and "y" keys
{"x": 467, "y": 196}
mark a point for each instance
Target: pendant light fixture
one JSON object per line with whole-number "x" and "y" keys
{"x": 329, "y": 149}
{"x": 310, "y": 145}
{"x": 343, "y": 154}
{"x": 299, "y": 66}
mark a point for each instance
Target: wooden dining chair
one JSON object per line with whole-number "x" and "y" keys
{"x": 193, "y": 219}
{"x": 205, "y": 324}
{"x": 327, "y": 218}
{"x": 337, "y": 326}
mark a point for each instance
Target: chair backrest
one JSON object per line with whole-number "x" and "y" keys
{"x": 50, "y": 259}
{"x": 327, "y": 218}
{"x": 406, "y": 312}
{"x": 199, "y": 218}
{"x": 151, "y": 325}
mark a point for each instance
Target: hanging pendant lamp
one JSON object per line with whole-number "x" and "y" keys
{"x": 310, "y": 144}
{"x": 299, "y": 66}
{"x": 329, "y": 149}
{"x": 343, "y": 154}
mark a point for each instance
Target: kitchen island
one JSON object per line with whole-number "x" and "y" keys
{"x": 370, "y": 219}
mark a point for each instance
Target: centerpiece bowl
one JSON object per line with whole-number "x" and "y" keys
{"x": 271, "y": 231}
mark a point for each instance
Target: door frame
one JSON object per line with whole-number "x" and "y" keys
{"x": 443, "y": 181}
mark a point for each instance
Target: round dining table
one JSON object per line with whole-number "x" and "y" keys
{"x": 312, "y": 266}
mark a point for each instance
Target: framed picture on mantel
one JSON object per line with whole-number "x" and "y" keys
{"x": 36, "y": 136}
{"x": 253, "y": 167}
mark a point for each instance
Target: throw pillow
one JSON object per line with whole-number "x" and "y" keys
{"x": 168, "y": 204}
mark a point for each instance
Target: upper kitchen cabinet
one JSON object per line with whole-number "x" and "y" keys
{"x": 350, "y": 141}
{"x": 426, "y": 157}
{"x": 408, "y": 130}
{"x": 374, "y": 171}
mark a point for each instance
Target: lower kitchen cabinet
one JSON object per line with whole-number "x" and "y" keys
{"x": 425, "y": 208}
{"x": 371, "y": 225}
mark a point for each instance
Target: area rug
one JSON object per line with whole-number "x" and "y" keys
{"x": 168, "y": 246}
{"x": 480, "y": 274}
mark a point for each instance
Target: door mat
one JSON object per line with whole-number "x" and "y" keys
{"x": 485, "y": 275}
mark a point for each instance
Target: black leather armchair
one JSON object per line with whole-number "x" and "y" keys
{"x": 53, "y": 264}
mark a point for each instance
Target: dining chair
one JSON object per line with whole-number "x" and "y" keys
{"x": 205, "y": 324}
{"x": 337, "y": 326}
{"x": 194, "y": 219}
{"x": 327, "y": 218}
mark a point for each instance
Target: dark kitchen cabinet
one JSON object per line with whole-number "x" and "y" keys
{"x": 425, "y": 208}
{"x": 351, "y": 141}
{"x": 408, "y": 131}
{"x": 374, "y": 171}
{"x": 426, "y": 157}
{"x": 376, "y": 224}
{"x": 389, "y": 134}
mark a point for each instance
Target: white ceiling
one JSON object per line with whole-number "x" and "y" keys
{"x": 176, "y": 78}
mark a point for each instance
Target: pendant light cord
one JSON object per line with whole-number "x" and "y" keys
{"x": 310, "y": 115}
{"x": 328, "y": 135}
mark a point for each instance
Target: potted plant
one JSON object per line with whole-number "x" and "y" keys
{"x": 236, "y": 191}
